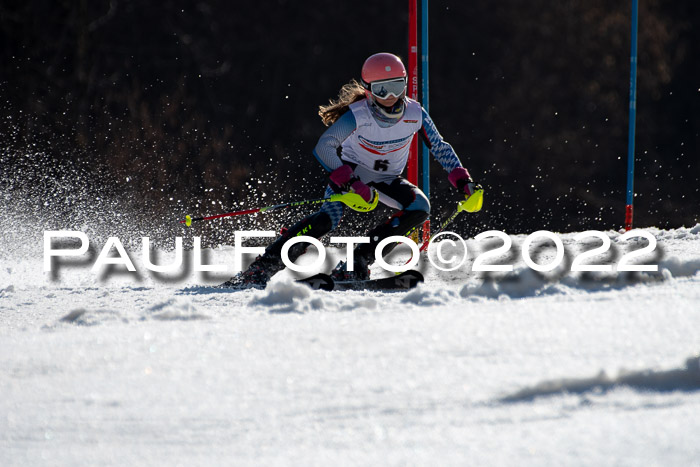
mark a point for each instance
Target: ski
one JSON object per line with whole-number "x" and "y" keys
{"x": 232, "y": 286}
{"x": 404, "y": 281}
{"x": 318, "y": 282}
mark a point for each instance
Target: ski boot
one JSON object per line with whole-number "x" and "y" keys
{"x": 361, "y": 271}
{"x": 257, "y": 275}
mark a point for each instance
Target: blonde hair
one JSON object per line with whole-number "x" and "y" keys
{"x": 349, "y": 94}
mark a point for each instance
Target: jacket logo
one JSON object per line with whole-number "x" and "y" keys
{"x": 410, "y": 121}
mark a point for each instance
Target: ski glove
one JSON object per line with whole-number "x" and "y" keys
{"x": 344, "y": 178}
{"x": 460, "y": 179}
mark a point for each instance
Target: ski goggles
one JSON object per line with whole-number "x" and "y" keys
{"x": 392, "y": 87}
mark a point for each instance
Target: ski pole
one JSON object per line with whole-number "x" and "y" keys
{"x": 352, "y": 200}
{"x": 441, "y": 229}
{"x": 471, "y": 204}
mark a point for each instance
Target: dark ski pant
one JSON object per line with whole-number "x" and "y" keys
{"x": 412, "y": 209}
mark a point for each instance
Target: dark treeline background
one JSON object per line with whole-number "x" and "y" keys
{"x": 189, "y": 103}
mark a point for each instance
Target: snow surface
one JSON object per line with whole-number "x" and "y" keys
{"x": 467, "y": 369}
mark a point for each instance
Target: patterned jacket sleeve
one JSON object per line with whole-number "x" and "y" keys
{"x": 327, "y": 148}
{"x": 441, "y": 149}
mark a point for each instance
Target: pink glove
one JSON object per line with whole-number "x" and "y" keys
{"x": 343, "y": 177}
{"x": 363, "y": 190}
{"x": 460, "y": 179}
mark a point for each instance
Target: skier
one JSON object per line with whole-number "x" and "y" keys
{"x": 365, "y": 150}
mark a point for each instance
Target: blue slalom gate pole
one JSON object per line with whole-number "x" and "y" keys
{"x": 424, "y": 82}
{"x": 629, "y": 210}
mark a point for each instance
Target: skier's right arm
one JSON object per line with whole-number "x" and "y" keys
{"x": 327, "y": 149}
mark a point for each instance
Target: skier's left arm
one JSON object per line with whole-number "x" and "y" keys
{"x": 447, "y": 157}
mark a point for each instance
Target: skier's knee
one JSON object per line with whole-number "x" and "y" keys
{"x": 334, "y": 211}
{"x": 411, "y": 219}
{"x": 421, "y": 203}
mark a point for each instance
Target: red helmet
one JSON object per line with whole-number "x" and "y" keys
{"x": 382, "y": 66}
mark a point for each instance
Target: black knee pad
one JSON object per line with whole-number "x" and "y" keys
{"x": 316, "y": 225}
{"x": 409, "y": 220}
{"x": 399, "y": 224}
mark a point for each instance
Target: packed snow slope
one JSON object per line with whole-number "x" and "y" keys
{"x": 470, "y": 368}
